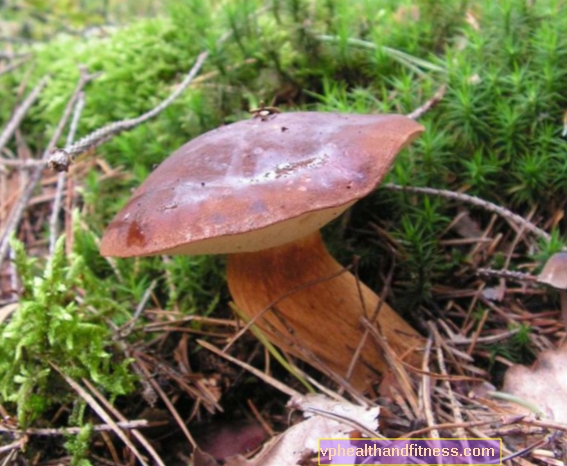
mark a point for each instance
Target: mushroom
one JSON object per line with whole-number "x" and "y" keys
{"x": 554, "y": 274}
{"x": 259, "y": 190}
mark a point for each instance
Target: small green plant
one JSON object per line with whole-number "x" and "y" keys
{"x": 419, "y": 241}
{"x": 516, "y": 349}
{"x": 53, "y": 325}
{"x": 78, "y": 446}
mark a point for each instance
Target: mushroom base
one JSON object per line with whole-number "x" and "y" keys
{"x": 316, "y": 309}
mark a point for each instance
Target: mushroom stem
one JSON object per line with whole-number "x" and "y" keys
{"x": 320, "y": 324}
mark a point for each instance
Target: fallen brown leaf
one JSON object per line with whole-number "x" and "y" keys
{"x": 544, "y": 385}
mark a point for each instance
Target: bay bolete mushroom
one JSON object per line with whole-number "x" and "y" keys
{"x": 259, "y": 190}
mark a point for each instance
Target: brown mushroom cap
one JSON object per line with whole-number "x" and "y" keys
{"x": 554, "y": 272}
{"x": 258, "y": 183}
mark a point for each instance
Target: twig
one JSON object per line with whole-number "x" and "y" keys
{"x": 62, "y": 177}
{"x": 422, "y": 110}
{"x": 12, "y": 56}
{"x": 20, "y": 112}
{"x": 354, "y": 423}
{"x": 260, "y": 418}
{"x": 293, "y": 340}
{"x": 97, "y": 408}
{"x": 374, "y": 319}
{"x": 18, "y": 209}
{"x": 166, "y": 400}
{"x": 489, "y": 339}
{"x": 397, "y": 367}
{"x": 13, "y": 66}
{"x": 16, "y": 445}
{"x": 507, "y": 274}
{"x": 28, "y": 164}
{"x": 548, "y": 424}
{"x": 53, "y": 432}
{"x": 162, "y": 368}
{"x": 503, "y": 212}
{"x": 14, "y": 276}
{"x": 455, "y": 408}
{"x": 538, "y": 444}
{"x": 266, "y": 378}
{"x": 127, "y": 328}
{"x": 332, "y": 393}
{"x": 425, "y": 389}
{"x": 60, "y": 159}
{"x": 464, "y": 425}
{"x": 136, "y": 433}
{"x": 477, "y": 332}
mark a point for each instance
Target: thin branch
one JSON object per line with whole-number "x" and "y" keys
{"x": 13, "y": 66}
{"x": 17, "y": 40}
{"x": 422, "y": 110}
{"x": 62, "y": 177}
{"x": 18, "y": 210}
{"x": 17, "y": 445}
{"x": 398, "y": 368}
{"x": 374, "y": 319}
{"x": 425, "y": 389}
{"x": 62, "y": 431}
{"x": 258, "y": 373}
{"x": 166, "y": 401}
{"x": 12, "y": 56}
{"x": 503, "y": 212}
{"x": 62, "y": 158}
{"x": 504, "y": 421}
{"x": 521, "y": 277}
{"x": 455, "y": 407}
{"x": 20, "y": 112}
{"x": 135, "y": 433}
{"x": 129, "y": 326}
{"x": 98, "y": 409}
{"x": 489, "y": 339}
{"x": 27, "y": 164}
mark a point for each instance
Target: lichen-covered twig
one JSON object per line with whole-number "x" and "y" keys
{"x": 521, "y": 277}
{"x": 486, "y": 205}
{"x": 60, "y": 159}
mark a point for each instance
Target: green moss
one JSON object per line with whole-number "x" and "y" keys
{"x": 53, "y": 327}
